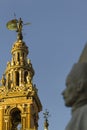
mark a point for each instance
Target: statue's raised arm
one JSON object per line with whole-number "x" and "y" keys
{"x": 19, "y": 25}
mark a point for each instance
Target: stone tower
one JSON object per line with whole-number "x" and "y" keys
{"x": 19, "y": 101}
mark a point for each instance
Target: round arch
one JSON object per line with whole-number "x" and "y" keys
{"x": 13, "y": 107}
{"x": 15, "y": 118}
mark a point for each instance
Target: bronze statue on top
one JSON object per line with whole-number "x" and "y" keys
{"x": 16, "y": 25}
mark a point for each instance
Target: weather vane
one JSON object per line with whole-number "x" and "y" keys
{"x": 16, "y": 25}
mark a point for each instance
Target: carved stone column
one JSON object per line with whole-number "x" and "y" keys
{"x": 28, "y": 117}
{"x": 1, "y": 118}
{"x": 23, "y": 118}
{"x": 6, "y": 122}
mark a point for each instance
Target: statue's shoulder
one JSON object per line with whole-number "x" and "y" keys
{"x": 83, "y": 109}
{"x": 79, "y": 119}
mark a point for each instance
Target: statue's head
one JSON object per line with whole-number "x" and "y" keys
{"x": 76, "y": 85}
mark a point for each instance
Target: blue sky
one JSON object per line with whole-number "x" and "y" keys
{"x": 55, "y": 39}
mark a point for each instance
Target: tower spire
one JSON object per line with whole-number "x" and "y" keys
{"x": 46, "y": 123}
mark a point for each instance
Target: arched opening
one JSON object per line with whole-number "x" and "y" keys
{"x": 25, "y": 75}
{"x": 17, "y": 78}
{"x": 18, "y": 56}
{"x": 15, "y": 118}
{"x": 23, "y": 55}
{"x": 9, "y": 81}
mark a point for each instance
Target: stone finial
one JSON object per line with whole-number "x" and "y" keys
{"x": 46, "y": 115}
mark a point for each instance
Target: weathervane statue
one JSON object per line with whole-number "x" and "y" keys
{"x": 17, "y": 26}
{"x": 75, "y": 94}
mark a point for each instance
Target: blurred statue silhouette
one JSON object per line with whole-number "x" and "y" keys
{"x": 75, "y": 94}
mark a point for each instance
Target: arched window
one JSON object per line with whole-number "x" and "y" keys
{"x": 15, "y": 118}
{"x": 18, "y": 56}
{"x": 25, "y": 75}
{"x": 9, "y": 81}
{"x": 23, "y": 55}
{"x": 17, "y": 78}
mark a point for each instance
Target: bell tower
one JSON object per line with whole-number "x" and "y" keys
{"x": 19, "y": 101}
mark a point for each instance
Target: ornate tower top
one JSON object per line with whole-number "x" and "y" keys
{"x": 19, "y": 64}
{"x": 19, "y": 101}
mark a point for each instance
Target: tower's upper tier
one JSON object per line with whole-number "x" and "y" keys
{"x": 19, "y": 46}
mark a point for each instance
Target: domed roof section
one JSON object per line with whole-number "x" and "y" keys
{"x": 19, "y": 45}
